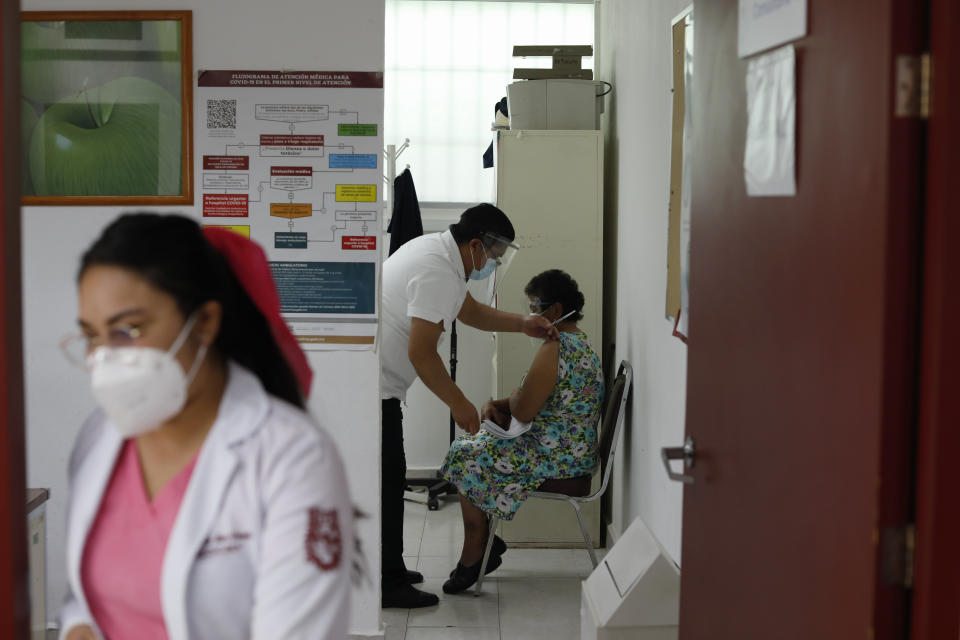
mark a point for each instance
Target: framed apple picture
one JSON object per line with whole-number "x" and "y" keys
{"x": 106, "y": 105}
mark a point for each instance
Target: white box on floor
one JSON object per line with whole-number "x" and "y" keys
{"x": 633, "y": 593}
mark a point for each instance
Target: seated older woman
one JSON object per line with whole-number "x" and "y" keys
{"x": 561, "y": 397}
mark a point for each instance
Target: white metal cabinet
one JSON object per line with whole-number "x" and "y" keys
{"x": 550, "y": 184}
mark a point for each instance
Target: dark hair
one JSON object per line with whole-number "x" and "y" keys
{"x": 172, "y": 254}
{"x": 480, "y": 219}
{"x": 555, "y": 286}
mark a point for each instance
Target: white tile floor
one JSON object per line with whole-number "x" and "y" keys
{"x": 534, "y": 594}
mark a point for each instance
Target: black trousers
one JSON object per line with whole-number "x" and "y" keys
{"x": 393, "y": 479}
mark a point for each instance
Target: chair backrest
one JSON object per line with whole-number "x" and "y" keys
{"x": 613, "y": 417}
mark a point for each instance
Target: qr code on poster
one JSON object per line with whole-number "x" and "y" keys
{"x": 221, "y": 114}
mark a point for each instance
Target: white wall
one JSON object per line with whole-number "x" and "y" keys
{"x": 634, "y": 41}
{"x": 228, "y": 34}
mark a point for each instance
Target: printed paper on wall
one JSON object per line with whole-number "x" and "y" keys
{"x": 292, "y": 159}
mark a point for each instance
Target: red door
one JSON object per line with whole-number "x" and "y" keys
{"x": 802, "y": 351}
{"x": 14, "y": 599}
{"x": 936, "y": 605}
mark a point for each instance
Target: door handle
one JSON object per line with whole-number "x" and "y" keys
{"x": 687, "y": 453}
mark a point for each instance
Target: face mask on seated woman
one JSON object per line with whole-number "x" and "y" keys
{"x": 536, "y": 342}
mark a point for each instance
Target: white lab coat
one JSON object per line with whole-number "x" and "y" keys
{"x": 265, "y": 470}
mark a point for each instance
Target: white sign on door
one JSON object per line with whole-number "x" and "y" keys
{"x": 767, "y": 23}
{"x": 769, "y": 164}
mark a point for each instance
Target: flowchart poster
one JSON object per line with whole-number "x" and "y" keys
{"x": 292, "y": 160}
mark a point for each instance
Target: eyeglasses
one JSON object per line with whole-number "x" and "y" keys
{"x": 76, "y": 347}
{"x": 537, "y": 306}
{"x": 496, "y": 259}
{"x": 497, "y": 248}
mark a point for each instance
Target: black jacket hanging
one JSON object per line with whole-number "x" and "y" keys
{"x": 405, "y": 223}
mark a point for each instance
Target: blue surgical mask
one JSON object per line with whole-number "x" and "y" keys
{"x": 488, "y": 268}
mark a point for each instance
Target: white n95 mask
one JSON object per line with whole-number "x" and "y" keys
{"x": 140, "y": 388}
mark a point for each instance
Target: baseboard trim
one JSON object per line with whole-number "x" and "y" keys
{"x": 422, "y": 472}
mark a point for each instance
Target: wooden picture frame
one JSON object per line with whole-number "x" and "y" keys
{"x": 106, "y": 108}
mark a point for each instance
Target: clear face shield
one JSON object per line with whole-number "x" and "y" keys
{"x": 501, "y": 252}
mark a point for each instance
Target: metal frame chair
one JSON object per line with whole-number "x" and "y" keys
{"x": 576, "y": 491}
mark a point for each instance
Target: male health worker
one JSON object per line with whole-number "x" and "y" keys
{"x": 424, "y": 291}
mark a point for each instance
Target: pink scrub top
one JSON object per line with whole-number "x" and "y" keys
{"x": 123, "y": 557}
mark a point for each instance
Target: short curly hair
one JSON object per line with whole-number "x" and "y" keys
{"x": 555, "y": 286}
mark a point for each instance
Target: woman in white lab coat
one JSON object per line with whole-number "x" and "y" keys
{"x": 204, "y": 503}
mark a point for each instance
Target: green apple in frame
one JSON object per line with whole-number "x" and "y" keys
{"x": 122, "y": 138}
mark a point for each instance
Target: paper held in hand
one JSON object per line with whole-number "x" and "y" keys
{"x": 516, "y": 428}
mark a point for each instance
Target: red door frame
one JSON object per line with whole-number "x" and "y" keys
{"x": 14, "y": 594}
{"x": 936, "y": 605}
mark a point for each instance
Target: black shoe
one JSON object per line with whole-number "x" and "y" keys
{"x": 462, "y": 578}
{"x": 498, "y": 549}
{"x": 499, "y": 546}
{"x": 407, "y": 597}
{"x": 414, "y": 577}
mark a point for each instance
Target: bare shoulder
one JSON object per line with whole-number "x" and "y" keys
{"x": 545, "y": 361}
{"x": 548, "y": 352}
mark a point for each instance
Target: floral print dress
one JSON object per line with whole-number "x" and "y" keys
{"x": 497, "y": 475}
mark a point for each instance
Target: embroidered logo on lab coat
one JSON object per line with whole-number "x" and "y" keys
{"x": 324, "y": 543}
{"x": 222, "y": 543}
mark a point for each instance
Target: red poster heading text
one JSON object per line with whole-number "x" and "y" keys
{"x": 226, "y": 163}
{"x": 359, "y": 243}
{"x": 225, "y": 205}
{"x": 291, "y": 171}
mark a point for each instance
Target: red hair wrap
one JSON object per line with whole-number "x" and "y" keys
{"x": 249, "y": 264}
